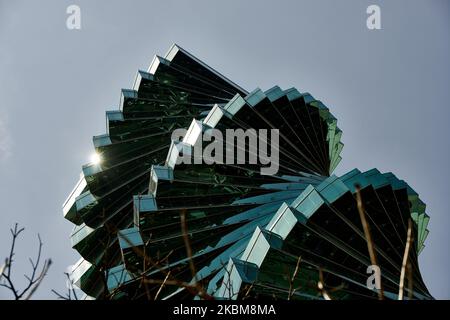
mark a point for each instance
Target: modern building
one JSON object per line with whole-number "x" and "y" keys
{"x": 149, "y": 228}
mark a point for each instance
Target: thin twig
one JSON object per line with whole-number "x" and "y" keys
{"x": 368, "y": 235}
{"x": 60, "y": 296}
{"x": 3, "y": 268}
{"x": 291, "y": 282}
{"x": 70, "y": 291}
{"x": 321, "y": 286}
{"x": 405, "y": 260}
{"x": 38, "y": 281}
{"x": 162, "y": 285}
{"x": 247, "y": 292}
{"x": 9, "y": 261}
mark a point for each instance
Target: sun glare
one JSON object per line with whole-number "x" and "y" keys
{"x": 95, "y": 158}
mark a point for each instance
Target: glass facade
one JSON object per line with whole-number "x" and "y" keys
{"x": 248, "y": 233}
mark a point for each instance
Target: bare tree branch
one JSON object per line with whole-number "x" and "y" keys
{"x": 71, "y": 293}
{"x": 34, "y": 280}
{"x": 368, "y": 235}
{"x": 291, "y": 282}
{"x": 409, "y": 238}
{"x": 321, "y": 286}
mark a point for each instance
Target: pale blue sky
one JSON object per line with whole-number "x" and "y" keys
{"x": 389, "y": 90}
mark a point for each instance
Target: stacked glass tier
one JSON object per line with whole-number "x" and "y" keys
{"x": 148, "y": 226}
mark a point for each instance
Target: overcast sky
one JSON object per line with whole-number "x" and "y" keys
{"x": 388, "y": 88}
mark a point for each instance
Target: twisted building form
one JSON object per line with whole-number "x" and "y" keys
{"x": 147, "y": 227}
